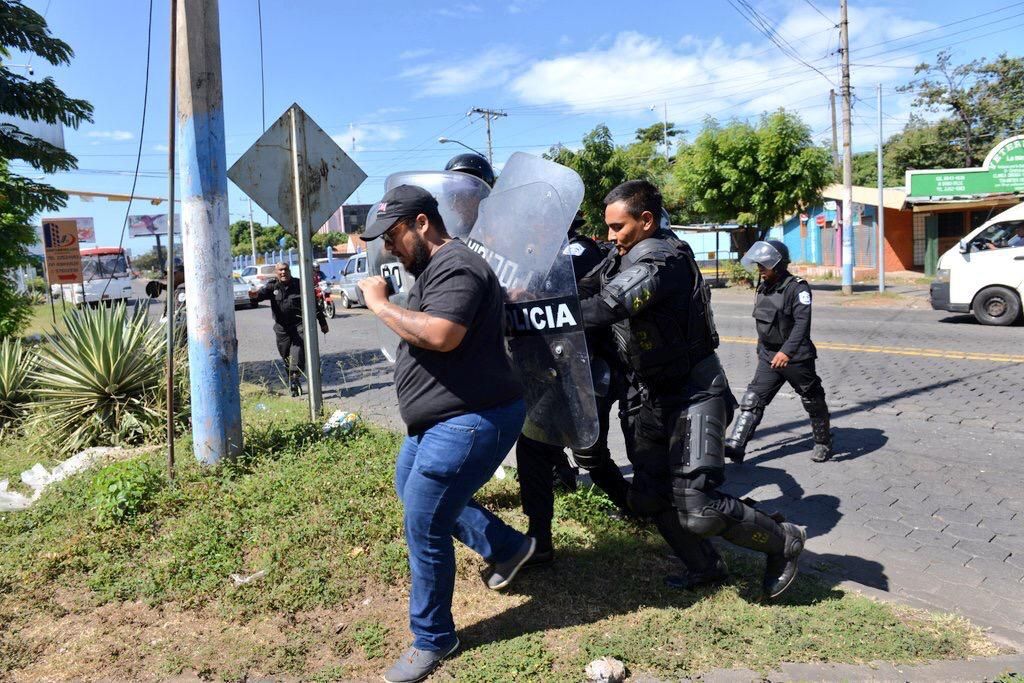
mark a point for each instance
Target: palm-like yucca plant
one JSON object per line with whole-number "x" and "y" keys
{"x": 16, "y": 362}
{"x": 101, "y": 380}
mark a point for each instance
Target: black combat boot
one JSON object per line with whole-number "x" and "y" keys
{"x": 714, "y": 572}
{"x": 822, "y": 439}
{"x": 296, "y": 386}
{"x": 781, "y": 568}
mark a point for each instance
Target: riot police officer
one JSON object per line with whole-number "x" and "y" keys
{"x": 285, "y": 296}
{"x": 474, "y": 165}
{"x": 658, "y": 306}
{"x": 785, "y": 352}
{"x": 539, "y": 464}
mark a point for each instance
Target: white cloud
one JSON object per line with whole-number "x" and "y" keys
{"x": 459, "y": 10}
{"x": 700, "y": 76}
{"x": 415, "y": 54}
{"x": 161, "y": 148}
{"x": 368, "y": 133}
{"x": 492, "y": 68}
{"x": 514, "y": 8}
{"x": 112, "y": 135}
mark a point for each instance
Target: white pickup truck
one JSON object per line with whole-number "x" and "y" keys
{"x": 984, "y": 273}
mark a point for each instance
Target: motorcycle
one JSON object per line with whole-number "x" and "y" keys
{"x": 323, "y": 293}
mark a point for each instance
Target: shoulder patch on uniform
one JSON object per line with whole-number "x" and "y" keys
{"x": 804, "y": 298}
{"x": 799, "y": 280}
{"x": 573, "y": 249}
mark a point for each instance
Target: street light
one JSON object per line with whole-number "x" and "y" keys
{"x": 444, "y": 140}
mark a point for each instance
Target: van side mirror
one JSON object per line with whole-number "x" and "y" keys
{"x": 965, "y": 246}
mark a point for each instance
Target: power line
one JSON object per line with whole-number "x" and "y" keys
{"x": 263, "y": 86}
{"x": 764, "y": 26}
{"x": 142, "y": 135}
{"x": 827, "y": 18}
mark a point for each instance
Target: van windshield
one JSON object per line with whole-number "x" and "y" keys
{"x": 104, "y": 266}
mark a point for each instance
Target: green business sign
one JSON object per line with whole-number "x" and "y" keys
{"x": 1003, "y": 171}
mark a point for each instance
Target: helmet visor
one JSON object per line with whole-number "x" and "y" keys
{"x": 761, "y": 253}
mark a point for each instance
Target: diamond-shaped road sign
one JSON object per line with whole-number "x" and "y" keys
{"x": 327, "y": 175}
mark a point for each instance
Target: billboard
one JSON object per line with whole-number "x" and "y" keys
{"x": 86, "y": 227}
{"x": 149, "y": 225}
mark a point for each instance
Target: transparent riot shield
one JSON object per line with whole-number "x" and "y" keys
{"x": 521, "y": 233}
{"x": 458, "y": 195}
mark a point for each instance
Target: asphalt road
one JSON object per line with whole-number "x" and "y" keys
{"x": 925, "y": 496}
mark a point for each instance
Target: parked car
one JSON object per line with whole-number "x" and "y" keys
{"x": 355, "y": 270}
{"x": 984, "y": 274}
{"x": 242, "y": 289}
{"x": 258, "y": 275}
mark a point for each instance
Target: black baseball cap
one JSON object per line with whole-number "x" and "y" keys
{"x": 398, "y": 203}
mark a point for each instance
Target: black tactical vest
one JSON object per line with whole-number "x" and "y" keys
{"x": 773, "y": 324}
{"x": 663, "y": 341}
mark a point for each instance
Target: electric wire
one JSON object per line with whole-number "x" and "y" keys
{"x": 142, "y": 135}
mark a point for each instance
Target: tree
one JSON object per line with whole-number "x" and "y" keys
{"x": 268, "y": 238}
{"x": 756, "y": 175}
{"x": 24, "y": 30}
{"x": 149, "y": 261}
{"x": 602, "y": 166}
{"x": 656, "y": 133}
{"x": 329, "y": 239}
{"x": 981, "y": 102}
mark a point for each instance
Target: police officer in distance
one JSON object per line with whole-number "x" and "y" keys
{"x": 285, "y": 296}
{"x": 539, "y": 464}
{"x": 653, "y": 297}
{"x": 785, "y": 352}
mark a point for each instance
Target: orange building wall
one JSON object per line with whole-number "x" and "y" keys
{"x": 899, "y": 240}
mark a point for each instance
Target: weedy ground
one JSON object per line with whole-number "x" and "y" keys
{"x": 147, "y": 593}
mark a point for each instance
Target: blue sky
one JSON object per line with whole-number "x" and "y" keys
{"x": 397, "y": 75}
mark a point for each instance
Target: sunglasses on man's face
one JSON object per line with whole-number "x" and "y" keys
{"x": 388, "y": 237}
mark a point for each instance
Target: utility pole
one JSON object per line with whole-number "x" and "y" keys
{"x": 835, "y": 133}
{"x": 171, "y": 298}
{"x": 488, "y": 114}
{"x": 212, "y": 341}
{"x": 881, "y": 201}
{"x": 252, "y": 235}
{"x": 844, "y": 40}
{"x": 664, "y": 128}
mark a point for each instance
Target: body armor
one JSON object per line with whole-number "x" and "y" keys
{"x": 773, "y": 324}
{"x": 660, "y": 340}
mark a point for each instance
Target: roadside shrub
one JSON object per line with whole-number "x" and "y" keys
{"x": 101, "y": 381}
{"x": 16, "y": 362}
{"x": 123, "y": 490}
{"x": 737, "y": 275}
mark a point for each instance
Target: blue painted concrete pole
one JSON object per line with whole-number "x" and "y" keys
{"x": 212, "y": 342}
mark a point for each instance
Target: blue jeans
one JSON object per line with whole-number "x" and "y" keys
{"x": 436, "y": 475}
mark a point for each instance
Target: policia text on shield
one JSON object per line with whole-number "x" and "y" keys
{"x": 463, "y": 409}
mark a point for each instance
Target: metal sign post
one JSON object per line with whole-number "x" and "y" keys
{"x": 299, "y": 176}
{"x": 302, "y": 232}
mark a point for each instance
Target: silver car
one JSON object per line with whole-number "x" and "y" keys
{"x": 242, "y": 289}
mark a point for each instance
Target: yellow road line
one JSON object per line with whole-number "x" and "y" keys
{"x": 900, "y": 351}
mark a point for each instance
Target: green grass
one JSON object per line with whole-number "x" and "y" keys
{"x": 42, "y": 320}
{"x": 319, "y": 515}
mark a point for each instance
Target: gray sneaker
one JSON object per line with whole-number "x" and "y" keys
{"x": 415, "y": 664}
{"x": 500, "y": 575}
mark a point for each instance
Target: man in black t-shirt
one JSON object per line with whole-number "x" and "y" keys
{"x": 463, "y": 409}
{"x": 285, "y": 296}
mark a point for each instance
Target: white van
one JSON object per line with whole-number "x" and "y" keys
{"x": 106, "y": 277}
{"x": 984, "y": 274}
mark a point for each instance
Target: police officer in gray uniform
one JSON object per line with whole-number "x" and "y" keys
{"x": 785, "y": 352}
{"x": 658, "y": 305}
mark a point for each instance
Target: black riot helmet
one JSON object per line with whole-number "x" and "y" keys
{"x": 474, "y": 165}
{"x": 772, "y": 254}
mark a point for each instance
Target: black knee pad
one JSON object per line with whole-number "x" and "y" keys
{"x": 751, "y": 402}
